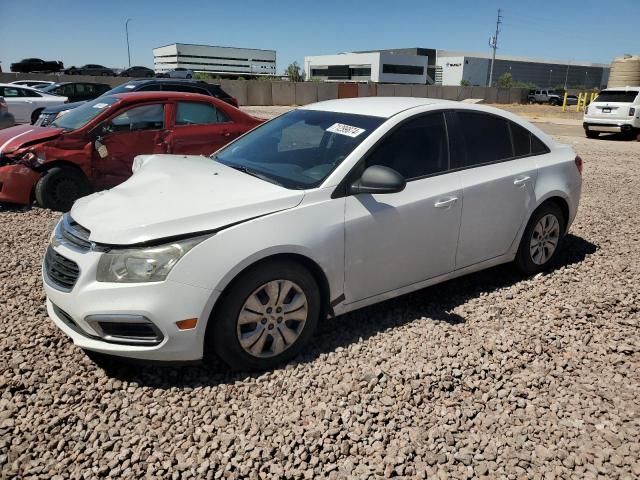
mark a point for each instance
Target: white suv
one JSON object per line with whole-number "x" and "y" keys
{"x": 613, "y": 110}
{"x": 323, "y": 210}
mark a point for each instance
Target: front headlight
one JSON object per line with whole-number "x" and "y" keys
{"x": 151, "y": 264}
{"x": 63, "y": 112}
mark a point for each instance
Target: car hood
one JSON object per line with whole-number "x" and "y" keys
{"x": 62, "y": 107}
{"x": 174, "y": 195}
{"x": 15, "y": 137}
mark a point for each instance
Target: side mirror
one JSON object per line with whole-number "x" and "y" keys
{"x": 378, "y": 179}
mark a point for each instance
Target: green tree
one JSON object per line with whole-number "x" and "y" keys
{"x": 505, "y": 80}
{"x": 465, "y": 83}
{"x": 294, "y": 73}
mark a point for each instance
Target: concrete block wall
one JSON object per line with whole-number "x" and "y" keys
{"x": 258, "y": 92}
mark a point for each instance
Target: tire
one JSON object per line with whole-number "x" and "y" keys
{"x": 554, "y": 101}
{"x": 59, "y": 187}
{"x": 189, "y": 76}
{"x": 529, "y": 260}
{"x": 531, "y": 101}
{"x": 34, "y": 116}
{"x": 269, "y": 329}
{"x": 591, "y": 134}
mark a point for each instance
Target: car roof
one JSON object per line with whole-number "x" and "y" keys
{"x": 164, "y": 95}
{"x": 618, "y": 89}
{"x": 375, "y": 106}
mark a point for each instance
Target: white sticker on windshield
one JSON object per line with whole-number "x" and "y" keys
{"x": 100, "y": 105}
{"x": 129, "y": 86}
{"x": 347, "y": 130}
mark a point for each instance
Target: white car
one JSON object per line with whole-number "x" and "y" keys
{"x": 179, "y": 73}
{"x": 323, "y": 210}
{"x": 613, "y": 110}
{"x": 26, "y": 103}
{"x": 33, "y": 83}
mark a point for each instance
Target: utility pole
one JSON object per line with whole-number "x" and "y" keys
{"x": 126, "y": 28}
{"x": 493, "y": 43}
{"x": 566, "y": 75}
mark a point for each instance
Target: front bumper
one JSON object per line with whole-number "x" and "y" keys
{"x": 17, "y": 183}
{"x": 162, "y": 303}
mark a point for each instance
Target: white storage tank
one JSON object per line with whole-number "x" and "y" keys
{"x": 625, "y": 71}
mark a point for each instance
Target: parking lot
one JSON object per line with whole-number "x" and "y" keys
{"x": 490, "y": 374}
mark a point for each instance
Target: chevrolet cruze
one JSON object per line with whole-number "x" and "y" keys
{"x": 323, "y": 210}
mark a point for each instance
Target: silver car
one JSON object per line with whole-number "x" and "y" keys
{"x": 321, "y": 211}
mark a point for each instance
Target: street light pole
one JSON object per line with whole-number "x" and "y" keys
{"x": 566, "y": 75}
{"x": 126, "y": 28}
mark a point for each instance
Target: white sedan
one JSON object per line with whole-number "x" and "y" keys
{"x": 26, "y": 103}
{"x": 321, "y": 211}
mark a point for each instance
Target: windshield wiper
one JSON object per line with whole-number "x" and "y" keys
{"x": 253, "y": 173}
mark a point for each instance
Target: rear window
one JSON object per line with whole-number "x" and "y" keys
{"x": 616, "y": 96}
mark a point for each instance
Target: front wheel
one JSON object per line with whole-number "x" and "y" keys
{"x": 59, "y": 187}
{"x": 35, "y": 115}
{"x": 554, "y": 101}
{"x": 541, "y": 239}
{"x": 266, "y": 317}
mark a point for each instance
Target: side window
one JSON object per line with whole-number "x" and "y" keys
{"x": 29, "y": 93}
{"x": 84, "y": 88}
{"x": 145, "y": 117}
{"x": 181, "y": 88}
{"x": 537, "y": 147}
{"x": 152, "y": 87}
{"x": 10, "y": 92}
{"x": 194, "y": 113}
{"x": 487, "y": 138}
{"x": 521, "y": 140}
{"x": 417, "y": 148}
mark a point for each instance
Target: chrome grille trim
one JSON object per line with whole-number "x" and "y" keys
{"x": 60, "y": 272}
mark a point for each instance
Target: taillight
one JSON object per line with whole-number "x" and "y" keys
{"x": 578, "y": 161}
{"x": 632, "y": 112}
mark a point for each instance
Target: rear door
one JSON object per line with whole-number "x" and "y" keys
{"x": 498, "y": 179}
{"x": 134, "y": 130}
{"x": 200, "y": 128}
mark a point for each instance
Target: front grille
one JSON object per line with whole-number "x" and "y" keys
{"x": 60, "y": 270}
{"x": 74, "y": 233}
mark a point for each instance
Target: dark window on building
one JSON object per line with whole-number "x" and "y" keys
{"x": 402, "y": 69}
{"x": 319, "y": 72}
{"x": 338, "y": 72}
{"x": 361, "y": 72}
{"x": 417, "y": 148}
{"x": 487, "y": 138}
{"x": 521, "y": 138}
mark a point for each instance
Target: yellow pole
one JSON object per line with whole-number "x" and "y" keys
{"x": 564, "y": 101}
{"x": 579, "y": 100}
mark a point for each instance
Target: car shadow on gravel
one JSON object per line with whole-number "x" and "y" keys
{"x": 435, "y": 303}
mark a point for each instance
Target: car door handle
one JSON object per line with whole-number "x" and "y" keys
{"x": 445, "y": 202}
{"x": 521, "y": 180}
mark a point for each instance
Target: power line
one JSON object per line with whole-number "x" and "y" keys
{"x": 493, "y": 43}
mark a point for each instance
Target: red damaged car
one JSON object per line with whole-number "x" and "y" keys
{"x": 92, "y": 147}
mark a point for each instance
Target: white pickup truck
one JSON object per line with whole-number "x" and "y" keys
{"x": 613, "y": 110}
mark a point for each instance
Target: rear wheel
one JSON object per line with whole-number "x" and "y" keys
{"x": 35, "y": 115}
{"x": 266, "y": 316}
{"x": 59, "y": 187}
{"x": 591, "y": 133}
{"x": 541, "y": 239}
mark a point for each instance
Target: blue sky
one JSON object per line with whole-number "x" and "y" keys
{"x": 79, "y": 32}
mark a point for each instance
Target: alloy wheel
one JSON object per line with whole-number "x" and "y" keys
{"x": 544, "y": 239}
{"x": 272, "y": 318}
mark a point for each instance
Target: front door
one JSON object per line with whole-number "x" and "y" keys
{"x": 498, "y": 179}
{"x": 138, "y": 130}
{"x": 399, "y": 239}
{"x": 201, "y": 129}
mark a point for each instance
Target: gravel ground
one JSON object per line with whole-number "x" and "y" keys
{"x": 488, "y": 375}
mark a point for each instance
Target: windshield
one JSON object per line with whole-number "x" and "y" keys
{"x": 616, "y": 96}
{"x": 124, "y": 88}
{"x": 80, "y": 116}
{"x": 299, "y": 149}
